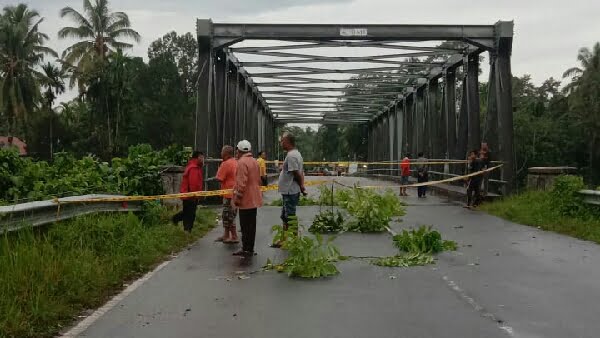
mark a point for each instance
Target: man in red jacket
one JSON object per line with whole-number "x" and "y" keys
{"x": 192, "y": 181}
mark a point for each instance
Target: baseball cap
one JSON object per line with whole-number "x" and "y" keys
{"x": 244, "y": 145}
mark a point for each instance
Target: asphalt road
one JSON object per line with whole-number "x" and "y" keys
{"x": 506, "y": 280}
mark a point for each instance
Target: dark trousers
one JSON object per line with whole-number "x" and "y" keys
{"x": 473, "y": 191}
{"x": 187, "y": 215}
{"x": 422, "y": 178}
{"x": 248, "y": 225}
{"x": 264, "y": 180}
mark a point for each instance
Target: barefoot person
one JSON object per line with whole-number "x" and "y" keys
{"x": 247, "y": 196}
{"x": 226, "y": 175}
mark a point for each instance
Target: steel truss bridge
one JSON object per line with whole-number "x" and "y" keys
{"x": 416, "y": 87}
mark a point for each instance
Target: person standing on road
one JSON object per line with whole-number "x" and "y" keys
{"x": 226, "y": 175}
{"x": 474, "y": 183}
{"x": 404, "y": 174}
{"x": 192, "y": 181}
{"x": 262, "y": 165}
{"x": 291, "y": 180}
{"x": 422, "y": 175}
{"x": 486, "y": 158}
{"x": 247, "y": 196}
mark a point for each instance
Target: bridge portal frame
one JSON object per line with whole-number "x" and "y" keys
{"x": 423, "y": 116}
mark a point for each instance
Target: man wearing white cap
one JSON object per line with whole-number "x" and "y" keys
{"x": 247, "y": 196}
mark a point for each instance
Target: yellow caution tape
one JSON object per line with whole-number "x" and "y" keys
{"x": 425, "y": 184}
{"x": 267, "y": 188}
{"x": 381, "y": 163}
{"x": 174, "y": 196}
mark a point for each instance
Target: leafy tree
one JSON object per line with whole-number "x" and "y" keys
{"x": 21, "y": 50}
{"x": 584, "y": 100}
{"x": 183, "y": 50}
{"x": 99, "y": 32}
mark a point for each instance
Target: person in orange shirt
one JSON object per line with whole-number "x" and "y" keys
{"x": 404, "y": 174}
{"x": 247, "y": 196}
{"x": 226, "y": 175}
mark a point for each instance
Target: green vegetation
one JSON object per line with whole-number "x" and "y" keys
{"x": 561, "y": 210}
{"x": 307, "y": 257}
{"x": 417, "y": 247}
{"x": 372, "y": 211}
{"x": 422, "y": 240}
{"x": 327, "y": 222}
{"x": 303, "y": 202}
{"x": 404, "y": 261}
{"x": 136, "y": 174}
{"x": 48, "y": 278}
{"x": 310, "y": 257}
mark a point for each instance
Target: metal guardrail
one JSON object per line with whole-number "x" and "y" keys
{"x": 18, "y": 216}
{"x": 591, "y": 196}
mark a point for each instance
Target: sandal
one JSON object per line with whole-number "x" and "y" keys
{"x": 231, "y": 241}
{"x": 220, "y": 239}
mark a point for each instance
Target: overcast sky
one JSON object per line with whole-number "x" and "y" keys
{"x": 547, "y": 34}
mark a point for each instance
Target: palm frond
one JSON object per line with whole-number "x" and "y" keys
{"x": 125, "y": 32}
{"x": 573, "y": 71}
{"x": 75, "y": 32}
{"x": 76, "y": 16}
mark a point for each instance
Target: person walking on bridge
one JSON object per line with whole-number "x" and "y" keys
{"x": 422, "y": 175}
{"x": 474, "y": 183}
{"x": 192, "y": 181}
{"x": 247, "y": 196}
{"x": 226, "y": 175}
{"x": 404, "y": 174}
{"x": 291, "y": 180}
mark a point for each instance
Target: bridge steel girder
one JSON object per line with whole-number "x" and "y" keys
{"x": 416, "y": 112}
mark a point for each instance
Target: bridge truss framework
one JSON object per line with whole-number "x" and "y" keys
{"x": 416, "y": 92}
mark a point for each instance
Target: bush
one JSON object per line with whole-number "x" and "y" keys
{"x": 136, "y": 174}
{"x": 327, "y": 222}
{"x": 565, "y": 197}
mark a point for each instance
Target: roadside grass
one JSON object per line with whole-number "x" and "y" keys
{"x": 49, "y": 277}
{"x": 535, "y": 208}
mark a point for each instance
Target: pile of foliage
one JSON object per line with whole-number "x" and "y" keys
{"x": 327, "y": 221}
{"x": 372, "y": 211}
{"x": 137, "y": 174}
{"x": 417, "y": 246}
{"x": 49, "y": 278}
{"x": 307, "y": 257}
{"x": 422, "y": 240}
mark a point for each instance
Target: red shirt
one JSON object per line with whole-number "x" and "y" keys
{"x": 192, "y": 177}
{"x": 405, "y": 167}
{"x": 226, "y": 175}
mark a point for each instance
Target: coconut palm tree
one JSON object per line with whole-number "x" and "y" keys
{"x": 53, "y": 81}
{"x": 21, "y": 50}
{"x": 99, "y": 32}
{"x": 583, "y": 99}
{"x": 588, "y": 60}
